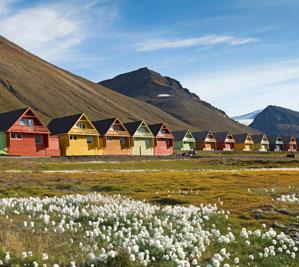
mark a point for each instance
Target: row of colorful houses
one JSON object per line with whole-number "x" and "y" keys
{"x": 23, "y": 134}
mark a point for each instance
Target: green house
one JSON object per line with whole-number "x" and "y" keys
{"x": 3, "y": 143}
{"x": 184, "y": 141}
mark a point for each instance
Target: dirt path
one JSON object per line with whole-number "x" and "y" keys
{"x": 154, "y": 170}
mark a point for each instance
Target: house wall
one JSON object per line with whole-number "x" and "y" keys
{"x": 27, "y": 146}
{"x": 224, "y": 146}
{"x": 140, "y": 148}
{"x": 53, "y": 150}
{"x": 205, "y": 146}
{"x": 184, "y": 146}
{"x": 3, "y": 143}
{"x": 80, "y": 147}
{"x": 244, "y": 147}
{"x": 261, "y": 147}
{"x": 161, "y": 148}
{"x": 114, "y": 147}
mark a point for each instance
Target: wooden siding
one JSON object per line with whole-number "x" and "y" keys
{"x": 113, "y": 146}
{"x": 141, "y": 147}
{"x": 80, "y": 147}
{"x": 3, "y": 143}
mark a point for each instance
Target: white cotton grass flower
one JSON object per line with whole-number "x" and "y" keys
{"x": 146, "y": 233}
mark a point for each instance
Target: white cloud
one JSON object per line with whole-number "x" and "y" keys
{"x": 5, "y": 5}
{"x": 243, "y": 90}
{"x": 52, "y": 30}
{"x": 207, "y": 40}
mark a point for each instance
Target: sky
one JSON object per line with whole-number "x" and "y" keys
{"x": 239, "y": 55}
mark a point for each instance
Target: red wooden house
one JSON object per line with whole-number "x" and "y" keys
{"x": 225, "y": 141}
{"x": 163, "y": 139}
{"x": 25, "y": 135}
{"x": 289, "y": 143}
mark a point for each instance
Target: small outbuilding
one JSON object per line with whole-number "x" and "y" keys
{"x": 289, "y": 143}
{"x": 261, "y": 142}
{"x": 205, "y": 141}
{"x": 115, "y": 136}
{"x": 142, "y": 138}
{"x": 225, "y": 141}
{"x": 184, "y": 141}
{"x": 163, "y": 139}
{"x": 276, "y": 143}
{"x": 22, "y": 133}
{"x": 244, "y": 142}
{"x": 77, "y": 135}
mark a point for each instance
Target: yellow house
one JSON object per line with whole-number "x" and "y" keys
{"x": 77, "y": 136}
{"x": 244, "y": 142}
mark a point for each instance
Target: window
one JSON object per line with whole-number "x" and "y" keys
{"x": 16, "y": 136}
{"x": 148, "y": 142}
{"x": 38, "y": 139}
{"x": 89, "y": 139}
{"x": 116, "y": 128}
{"x": 81, "y": 125}
{"x": 28, "y": 122}
{"x": 73, "y": 137}
{"x": 109, "y": 138}
{"x": 142, "y": 130}
{"x": 122, "y": 141}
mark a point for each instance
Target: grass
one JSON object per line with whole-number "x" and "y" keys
{"x": 242, "y": 191}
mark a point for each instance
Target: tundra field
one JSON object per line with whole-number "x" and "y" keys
{"x": 220, "y": 210}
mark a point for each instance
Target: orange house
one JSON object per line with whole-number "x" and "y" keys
{"x": 116, "y": 138}
{"x": 23, "y": 134}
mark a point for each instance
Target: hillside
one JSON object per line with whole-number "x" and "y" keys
{"x": 169, "y": 95}
{"x": 277, "y": 121}
{"x": 26, "y": 80}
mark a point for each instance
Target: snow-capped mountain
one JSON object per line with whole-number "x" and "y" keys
{"x": 248, "y": 118}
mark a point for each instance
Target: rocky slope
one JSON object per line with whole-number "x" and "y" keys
{"x": 26, "y": 80}
{"x": 169, "y": 95}
{"x": 277, "y": 121}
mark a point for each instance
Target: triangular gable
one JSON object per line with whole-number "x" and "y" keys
{"x": 229, "y": 137}
{"x": 13, "y": 117}
{"x": 83, "y": 115}
{"x": 8, "y": 119}
{"x": 143, "y": 124}
{"x": 157, "y": 130}
{"x": 120, "y": 123}
{"x": 189, "y": 135}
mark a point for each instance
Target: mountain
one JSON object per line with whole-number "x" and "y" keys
{"x": 277, "y": 121}
{"x": 168, "y": 94}
{"x": 248, "y": 118}
{"x": 27, "y": 80}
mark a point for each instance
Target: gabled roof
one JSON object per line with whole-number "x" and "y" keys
{"x": 258, "y": 138}
{"x": 133, "y": 126}
{"x": 9, "y": 118}
{"x": 63, "y": 125}
{"x": 287, "y": 139}
{"x": 104, "y": 125}
{"x": 155, "y": 128}
{"x": 179, "y": 135}
{"x": 240, "y": 138}
{"x": 273, "y": 139}
{"x": 221, "y": 136}
{"x": 201, "y": 136}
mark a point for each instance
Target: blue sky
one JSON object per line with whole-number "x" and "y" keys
{"x": 238, "y": 55}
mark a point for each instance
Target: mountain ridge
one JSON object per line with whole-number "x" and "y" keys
{"x": 169, "y": 95}
{"x": 27, "y": 80}
{"x": 275, "y": 120}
